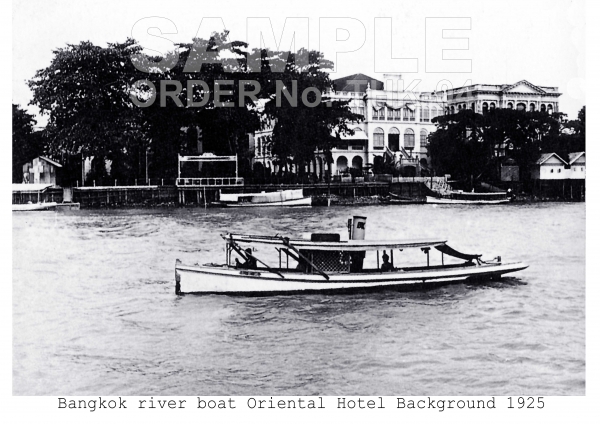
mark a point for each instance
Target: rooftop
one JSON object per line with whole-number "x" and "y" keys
{"x": 357, "y": 83}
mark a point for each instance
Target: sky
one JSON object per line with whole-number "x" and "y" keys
{"x": 538, "y": 41}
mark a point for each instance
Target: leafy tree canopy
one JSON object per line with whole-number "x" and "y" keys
{"x": 471, "y": 145}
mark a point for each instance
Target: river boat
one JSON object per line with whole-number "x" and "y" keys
{"x": 395, "y": 199}
{"x": 330, "y": 265}
{"x": 442, "y": 193}
{"x": 276, "y": 198}
{"x": 462, "y": 198}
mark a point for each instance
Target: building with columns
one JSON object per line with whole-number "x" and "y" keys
{"x": 522, "y": 95}
{"x": 397, "y": 123}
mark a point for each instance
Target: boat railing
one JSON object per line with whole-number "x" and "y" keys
{"x": 439, "y": 186}
{"x": 210, "y": 182}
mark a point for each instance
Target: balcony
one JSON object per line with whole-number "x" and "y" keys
{"x": 210, "y": 182}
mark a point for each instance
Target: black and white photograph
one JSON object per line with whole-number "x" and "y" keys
{"x": 327, "y": 206}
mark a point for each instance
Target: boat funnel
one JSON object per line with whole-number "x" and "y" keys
{"x": 359, "y": 228}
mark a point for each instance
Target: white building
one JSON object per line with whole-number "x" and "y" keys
{"x": 550, "y": 166}
{"x": 577, "y": 166}
{"x": 395, "y": 122}
{"x": 522, "y": 95}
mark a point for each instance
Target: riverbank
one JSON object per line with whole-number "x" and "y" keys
{"x": 342, "y": 194}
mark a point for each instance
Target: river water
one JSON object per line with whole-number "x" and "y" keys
{"x": 94, "y": 308}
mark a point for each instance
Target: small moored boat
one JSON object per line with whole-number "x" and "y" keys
{"x": 461, "y": 198}
{"x": 444, "y": 194}
{"x": 276, "y": 198}
{"x": 327, "y": 264}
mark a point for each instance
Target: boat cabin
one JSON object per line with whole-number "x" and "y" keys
{"x": 325, "y": 254}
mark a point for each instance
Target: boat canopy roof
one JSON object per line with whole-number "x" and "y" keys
{"x": 343, "y": 246}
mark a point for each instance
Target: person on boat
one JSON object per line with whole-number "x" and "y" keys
{"x": 386, "y": 266}
{"x": 250, "y": 261}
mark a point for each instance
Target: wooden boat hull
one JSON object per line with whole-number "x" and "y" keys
{"x": 226, "y": 280}
{"x": 305, "y": 201}
{"x": 446, "y": 201}
{"x": 30, "y": 207}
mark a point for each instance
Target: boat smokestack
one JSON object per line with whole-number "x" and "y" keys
{"x": 359, "y": 228}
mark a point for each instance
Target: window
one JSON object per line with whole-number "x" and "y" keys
{"x": 509, "y": 105}
{"x": 559, "y": 170}
{"x": 492, "y": 105}
{"x": 378, "y": 114}
{"x": 484, "y": 107}
{"x": 396, "y": 114}
{"x": 531, "y": 107}
{"x": 394, "y": 139}
{"x": 390, "y": 114}
{"x": 425, "y": 114}
{"x": 378, "y": 135}
{"x": 423, "y": 139}
{"x": 550, "y": 109}
{"x": 452, "y": 110}
{"x": 521, "y": 107}
{"x": 552, "y": 170}
{"x": 409, "y": 139}
{"x": 543, "y": 108}
{"x": 341, "y": 164}
{"x": 582, "y": 168}
{"x": 259, "y": 146}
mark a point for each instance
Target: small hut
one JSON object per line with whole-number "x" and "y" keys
{"x": 41, "y": 170}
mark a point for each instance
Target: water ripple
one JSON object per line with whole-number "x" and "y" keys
{"x": 102, "y": 316}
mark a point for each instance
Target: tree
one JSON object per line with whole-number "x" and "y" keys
{"x": 26, "y": 143}
{"x": 85, "y": 93}
{"x": 469, "y": 145}
{"x": 311, "y": 124}
{"x": 92, "y": 97}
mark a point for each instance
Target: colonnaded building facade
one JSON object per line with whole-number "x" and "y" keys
{"x": 397, "y": 123}
{"x": 522, "y": 95}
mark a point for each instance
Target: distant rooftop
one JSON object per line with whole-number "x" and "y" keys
{"x": 356, "y": 83}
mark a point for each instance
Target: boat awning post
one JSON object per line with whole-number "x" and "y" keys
{"x": 247, "y": 255}
{"x": 426, "y": 251}
{"x": 378, "y": 259}
{"x": 286, "y": 242}
{"x": 392, "y": 253}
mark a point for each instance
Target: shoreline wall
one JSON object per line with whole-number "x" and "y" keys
{"x": 139, "y": 196}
